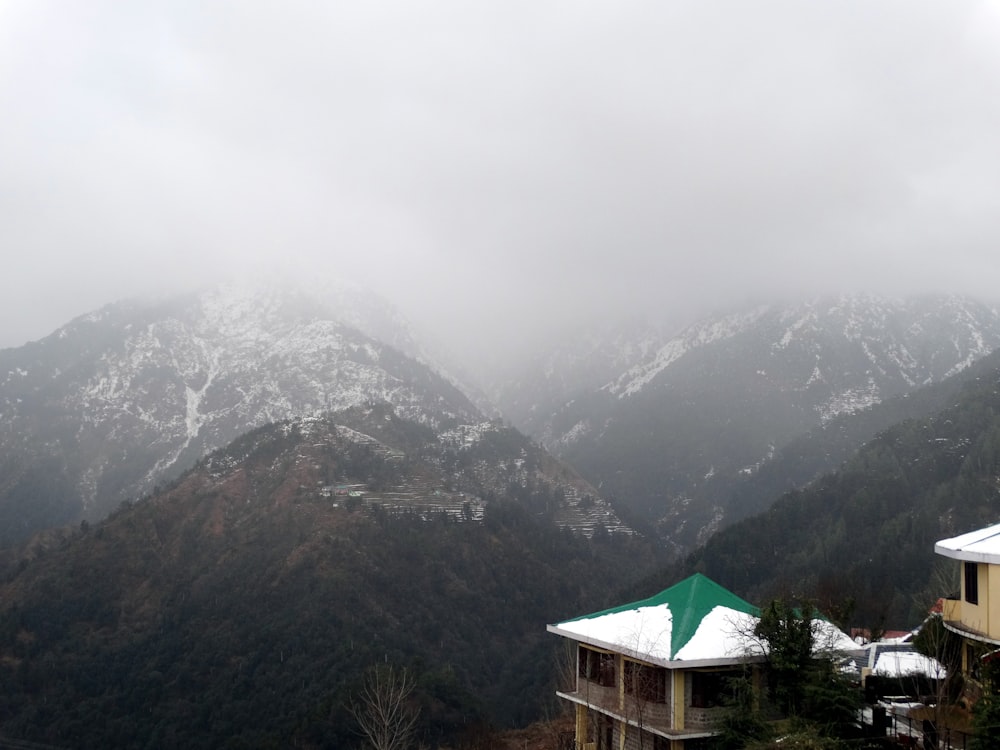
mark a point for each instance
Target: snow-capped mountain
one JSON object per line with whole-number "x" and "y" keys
{"x": 127, "y": 397}
{"x": 723, "y": 396}
{"x": 581, "y": 361}
{"x": 856, "y": 349}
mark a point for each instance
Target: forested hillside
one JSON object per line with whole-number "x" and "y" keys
{"x": 865, "y": 534}
{"x": 823, "y": 449}
{"x": 677, "y": 439}
{"x": 129, "y": 396}
{"x": 240, "y": 606}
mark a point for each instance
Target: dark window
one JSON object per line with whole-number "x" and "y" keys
{"x": 606, "y": 672}
{"x": 972, "y": 583}
{"x": 597, "y": 666}
{"x": 587, "y": 663}
{"x": 646, "y": 682}
{"x": 972, "y": 661}
{"x": 706, "y": 689}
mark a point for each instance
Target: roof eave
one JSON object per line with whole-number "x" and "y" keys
{"x": 721, "y": 661}
{"x": 967, "y": 555}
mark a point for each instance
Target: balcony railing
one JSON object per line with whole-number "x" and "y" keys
{"x": 649, "y": 714}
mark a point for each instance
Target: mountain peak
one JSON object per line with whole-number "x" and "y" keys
{"x": 137, "y": 391}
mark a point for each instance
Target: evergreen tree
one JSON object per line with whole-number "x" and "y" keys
{"x": 788, "y": 635}
{"x": 986, "y": 712}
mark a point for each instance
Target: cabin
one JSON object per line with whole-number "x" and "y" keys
{"x": 652, "y": 674}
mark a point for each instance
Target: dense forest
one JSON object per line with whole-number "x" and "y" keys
{"x": 239, "y": 608}
{"x": 727, "y": 428}
{"x": 862, "y": 539}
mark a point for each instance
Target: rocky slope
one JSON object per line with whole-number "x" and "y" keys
{"x": 722, "y": 398}
{"x": 241, "y": 604}
{"x": 864, "y": 535}
{"x": 127, "y": 397}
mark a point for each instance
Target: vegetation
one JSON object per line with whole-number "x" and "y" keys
{"x": 986, "y": 712}
{"x": 802, "y": 682}
{"x": 241, "y": 608}
{"x": 383, "y": 710}
{"x": 726, "y": 429}
{"x": 866, "y": 533}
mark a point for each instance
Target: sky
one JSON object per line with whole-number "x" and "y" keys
{"x": 498, "y": 170}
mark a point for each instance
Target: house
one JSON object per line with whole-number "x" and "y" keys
{"x": 651, "y": 674}
{"x": 975, "y": 615}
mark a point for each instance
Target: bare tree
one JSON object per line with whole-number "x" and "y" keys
{"x": 382, "y": 709}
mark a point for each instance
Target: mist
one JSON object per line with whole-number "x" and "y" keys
{"x": 499, "y": 173}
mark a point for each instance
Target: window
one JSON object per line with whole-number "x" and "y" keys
{"x": 972, "y": 583}
{"x": 646, "y": 682}
{"x": 972, "y": 662}
{"x": 707, "y": 689}
{"x": 597, "y": 666}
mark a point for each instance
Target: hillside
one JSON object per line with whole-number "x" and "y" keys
{"x": 819, "y": 451}
{"x": 866, "y": 532}
{"x": 239, "y": 606}
{"x": 674, "y": 437}
{"x": 126, "y": 398}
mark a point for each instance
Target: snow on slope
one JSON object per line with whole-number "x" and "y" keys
{"x": 695, "y": 337}
{"x": 914, "y": 341}
{"x": 156, "y": 386}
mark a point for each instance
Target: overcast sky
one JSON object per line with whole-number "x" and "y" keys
{"x": 473, "y": 160}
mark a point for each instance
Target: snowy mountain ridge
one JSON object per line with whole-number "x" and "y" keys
{"x": 694, "y": 337}
{"x": 122, "y": 400}
{"x": 892, "y": 334}
{"x": 672, "y": 435}
{"x": 136, "y": 392}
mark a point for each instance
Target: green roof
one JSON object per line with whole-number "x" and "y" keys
{"x": 689, "y": 601}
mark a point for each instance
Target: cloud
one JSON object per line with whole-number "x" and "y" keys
{"x": 498, "y": 169}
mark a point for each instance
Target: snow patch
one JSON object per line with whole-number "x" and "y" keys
{"x": 695, "y": 337}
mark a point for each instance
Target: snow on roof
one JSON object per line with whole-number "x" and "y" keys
{"x": 982, "y": 545}
{"x": 907, "y": 664}
{"x": 828, "y": 638}
{"x": 695, "y": 621}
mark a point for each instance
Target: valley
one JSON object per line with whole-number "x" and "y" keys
{"x": 219, "y": 511}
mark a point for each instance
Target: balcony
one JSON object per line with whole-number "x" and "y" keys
{"x": 649, "y": 714}
{"x": 951, "y": 613}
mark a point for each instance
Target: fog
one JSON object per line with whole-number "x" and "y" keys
{"x": 500, "y": 170}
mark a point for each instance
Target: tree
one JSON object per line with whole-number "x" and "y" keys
{"x": 802, "y": 678}
{"x": 788, "y": 636}
{"x": 986, "y": 711}
{"x": 743, "y": 722}
{"x": 382, "y": 708}
{"x": 936, "y": 642}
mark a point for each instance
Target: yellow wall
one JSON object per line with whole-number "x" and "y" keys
{"x": 582, "y": 729}
{"x": 983, "y": 617}
{"x": 679, "y": 698}
{"x": 989, "y": 576}
{"x": 975, "y": 616}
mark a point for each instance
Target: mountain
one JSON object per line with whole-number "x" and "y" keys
{"x": 240, "y": 605}
{"x": 670, "y": 436}
{"x": 578, "y": 362}
{"x": 864, "y": 535}
{"x": 129, "y": 396}
{"x": 828, "y": 446}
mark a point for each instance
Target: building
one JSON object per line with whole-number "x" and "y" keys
{"x": 975, "y": 615}
{"x": 651, "y": 674}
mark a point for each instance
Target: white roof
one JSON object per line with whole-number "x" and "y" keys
{"x": 723, "y": 635}
{"x": 982, "y": 545}
{"x": 696, "y": 622}
{"x": 906, "y": 664}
